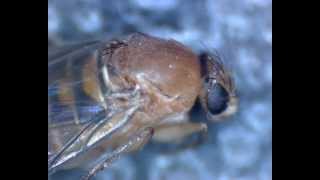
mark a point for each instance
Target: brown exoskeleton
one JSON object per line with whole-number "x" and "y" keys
{"x": 108, "y": 98}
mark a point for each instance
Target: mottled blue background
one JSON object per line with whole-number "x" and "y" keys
{"x": 241, "y": 30}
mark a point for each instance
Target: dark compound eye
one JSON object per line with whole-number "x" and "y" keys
{"x": 218, "y": 99}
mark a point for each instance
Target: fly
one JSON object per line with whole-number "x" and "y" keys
{"x": 110, "y": 98}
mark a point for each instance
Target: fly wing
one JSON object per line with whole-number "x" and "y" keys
{"x": 59, "y": 57}
{"x": 74, "y": 93}
{"x": 73, "y": 83}
{"x": 76, "y": 105}
{"x": 55, "y": 52}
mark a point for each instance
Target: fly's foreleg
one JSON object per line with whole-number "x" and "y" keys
{"x": 138, "y": 139}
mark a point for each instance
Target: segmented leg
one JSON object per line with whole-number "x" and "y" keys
{"x": 140, "y": 138}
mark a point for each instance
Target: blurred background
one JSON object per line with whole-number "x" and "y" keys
{"x": 240, "y": 30}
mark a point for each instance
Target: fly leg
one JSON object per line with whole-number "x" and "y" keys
{"x": 137, "y": 140}
{"x": 177, "y": 136}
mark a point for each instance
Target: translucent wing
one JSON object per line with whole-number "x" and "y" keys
{"x": 76, "y": 102}
{"x": 73, "y": 83}
{"x": 74, "y": 93}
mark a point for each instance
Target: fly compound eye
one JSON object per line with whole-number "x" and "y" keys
{"x": 218, "y": 99}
